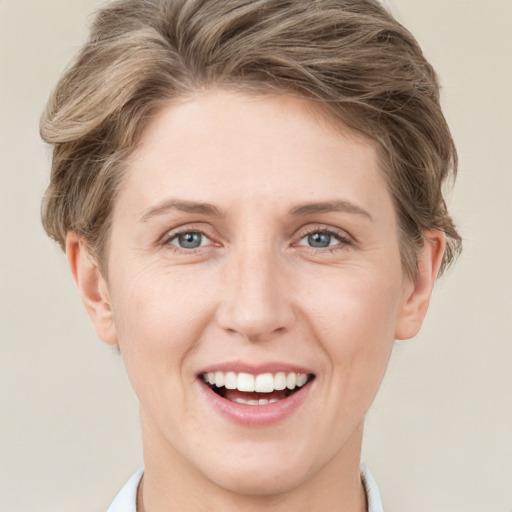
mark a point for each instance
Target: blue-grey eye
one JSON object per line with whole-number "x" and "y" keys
{"x": 189, "y": 240}
{"x": 319, "y": 239}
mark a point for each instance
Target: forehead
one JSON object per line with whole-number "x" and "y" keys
{"x": 228, "y": 147}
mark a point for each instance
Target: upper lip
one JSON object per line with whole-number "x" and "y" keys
{"x": 255, "y": 369}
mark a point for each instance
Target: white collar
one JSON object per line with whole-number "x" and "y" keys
{"x": 372, "y": 490}
{"x": 126, "y": 500}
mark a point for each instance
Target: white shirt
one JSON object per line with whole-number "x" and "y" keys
{"x": 126, "y": 500}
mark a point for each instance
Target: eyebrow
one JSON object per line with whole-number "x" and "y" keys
{"x": 329, "y": 206}
{"x": 211, "y": 210}
{"x": 183, "y": 206}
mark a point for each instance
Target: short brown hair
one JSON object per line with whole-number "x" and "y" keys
{"x": 351, "y": 56}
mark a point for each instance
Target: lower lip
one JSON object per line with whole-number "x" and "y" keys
{"x": 256, "y": 415}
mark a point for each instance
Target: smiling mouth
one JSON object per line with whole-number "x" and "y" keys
{"x": 261, "y": 389}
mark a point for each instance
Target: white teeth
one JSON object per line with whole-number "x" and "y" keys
{"x": 253, "y": 402}
{"x": 302, "y": 378}
{"x": 219, "y": 379}
{"x": 245, "y": 382}
{"x": 261, "y": 401}
{"x": 230, "y": 380}
{"x": 262, "y": 383}
{"x": 280, "y": 381}
{"x": 291, "y": 380}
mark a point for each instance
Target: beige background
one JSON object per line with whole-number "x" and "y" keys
{"x": 439, "y": 437}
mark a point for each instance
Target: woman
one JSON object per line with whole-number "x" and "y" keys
{"x": 249, "y": 197}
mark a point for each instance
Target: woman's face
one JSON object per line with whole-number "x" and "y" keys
{"x": 252, "y": 237}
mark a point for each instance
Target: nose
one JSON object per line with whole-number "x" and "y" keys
{"x": 256, "y": 303}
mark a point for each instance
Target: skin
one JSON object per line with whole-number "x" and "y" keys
{"x": 254, "y": 290}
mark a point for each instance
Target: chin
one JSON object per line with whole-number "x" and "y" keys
{"x": 259, "y": 471}
{"x": 259, "y": 481}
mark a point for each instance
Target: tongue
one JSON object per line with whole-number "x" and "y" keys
{"x": 233, "y": 394}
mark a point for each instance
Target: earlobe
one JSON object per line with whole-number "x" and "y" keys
{"x": 418, "y": 293}
{"x": 92, "y": 287}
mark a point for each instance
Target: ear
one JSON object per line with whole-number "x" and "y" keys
{"x": 92, "y": 287}
{"x": 418, "y": 292}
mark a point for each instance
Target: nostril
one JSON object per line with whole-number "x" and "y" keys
{"x": 254, "y": 329}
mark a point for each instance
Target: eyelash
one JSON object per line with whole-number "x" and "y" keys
{"x": 168, "y": 238}
{"x": 343, "y": 239}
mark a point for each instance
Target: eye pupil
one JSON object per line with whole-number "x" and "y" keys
{"x": 319, "y": 240}
{"x": 190, "y": 240}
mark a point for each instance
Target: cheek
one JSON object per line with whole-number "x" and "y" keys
{"x": 354, "y": 319}
{"x": 352, "y": 305}
{"x": 159, "y": 317}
